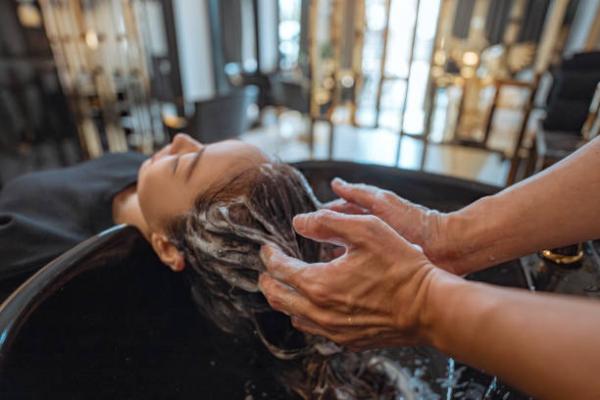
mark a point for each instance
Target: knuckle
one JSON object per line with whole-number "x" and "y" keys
{"x": 274, "y": 262}
{"x": 298, "y": 279}
{"x": 383, "y": 200}
{"x": 323, "y": 214}
{"x": 266, "y": 284}
{"x": 382, "y": 196}
{"x": 319, "y": 294}
{"x": 371, "y": 227}
{"x": 372, "y": 232}
{"x": 316, "y": 219}
{"x": 388, "y": 196}
{"x": 371, "y": 220}
{"x": 323, "y": 220}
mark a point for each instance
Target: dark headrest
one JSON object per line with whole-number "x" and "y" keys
{"x": 582, "y": 61}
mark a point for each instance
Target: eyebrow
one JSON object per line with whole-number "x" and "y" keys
{"x": 193, "y": 164}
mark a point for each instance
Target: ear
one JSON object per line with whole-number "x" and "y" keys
{"x": 167, "y": 252}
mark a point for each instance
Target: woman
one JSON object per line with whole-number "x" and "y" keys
{"x": 223, "y": 208}
{"x": 46, "y": 213}
{"x": 206, "y": 210}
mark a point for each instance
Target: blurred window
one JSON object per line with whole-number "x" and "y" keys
{"x": 289, "y": 33}
{"x": 403, "y": 16}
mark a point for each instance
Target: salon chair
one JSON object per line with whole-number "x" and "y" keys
{"x": 568, "y": 104}
{"x": 281, "y": 91}
{"x": 108, "y": 320}
{"x": 292, "y": 93}
{"x": 263, "y": 82}
{"x": 223, "y": 117}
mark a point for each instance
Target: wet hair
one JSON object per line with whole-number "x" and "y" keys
{"x": 220, "y": 238}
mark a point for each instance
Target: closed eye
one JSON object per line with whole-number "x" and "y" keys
{"x": 193, "y": 164}
{"x": 175, "y": 164}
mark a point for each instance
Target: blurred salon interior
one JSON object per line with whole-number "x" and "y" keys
{"x": 441, "y": 101}
{"x": 490, "y": 91}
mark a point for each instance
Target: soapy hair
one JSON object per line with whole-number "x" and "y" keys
{"x": 220, "y": 238}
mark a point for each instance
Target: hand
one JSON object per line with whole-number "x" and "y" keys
{"x": 375, "y": 295}
{"x": 419, "y": 225}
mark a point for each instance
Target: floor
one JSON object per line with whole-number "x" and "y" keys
{"x": 285, "y": 137}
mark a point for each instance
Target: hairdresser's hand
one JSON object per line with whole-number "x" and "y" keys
{"x": 375, "y": 295}
{"x": 419, "y": 225}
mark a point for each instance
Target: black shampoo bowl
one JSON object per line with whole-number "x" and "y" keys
{"x": 108, "y": 320}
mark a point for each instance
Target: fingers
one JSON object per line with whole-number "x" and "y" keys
{"x": 342, "y": 206}
{"x": 362, "y": 195}
{"x": 336, "y": 228}
{"x": 282, "y": 267}
{"x": 283, "y": 297}
{"x": 353, "y": 338}
{"x": 310, "y": 327}
{"x": 287, "y": 300}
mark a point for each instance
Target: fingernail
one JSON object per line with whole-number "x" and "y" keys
{"x": 339, "y": 181}
{"x": 299, "y": 221}
{"x": 265, "y": 253}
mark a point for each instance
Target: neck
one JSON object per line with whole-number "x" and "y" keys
{"x": 126, "y": 210}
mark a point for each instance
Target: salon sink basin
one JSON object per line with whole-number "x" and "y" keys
{"x": 108, "y": 320}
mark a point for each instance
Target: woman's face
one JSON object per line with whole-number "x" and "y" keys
{"x": 170, "y": 181}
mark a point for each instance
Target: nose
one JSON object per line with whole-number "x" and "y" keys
{"x": 183, "y": 143}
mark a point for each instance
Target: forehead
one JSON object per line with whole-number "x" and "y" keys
{"x": 219, "y": 164}
{"x": 167, "y": 195}
{"x": 222, "y": 161}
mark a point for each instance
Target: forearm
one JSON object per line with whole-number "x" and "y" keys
{"x": 543, "y": 344}
{"x": 556, "y": 207}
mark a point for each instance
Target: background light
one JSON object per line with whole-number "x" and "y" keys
{"x": 29, "y": 15}
{"x": 470, "y": 58}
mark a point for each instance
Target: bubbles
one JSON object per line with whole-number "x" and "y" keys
{"x": 221, "y": 238}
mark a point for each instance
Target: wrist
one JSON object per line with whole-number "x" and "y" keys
{"x": 446, "y": 240}
{"x": 440, "y": 288}
{"x": 442, "y": 299}
{"x": 457, "y": 313}
{"x": 469, "y": 234}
